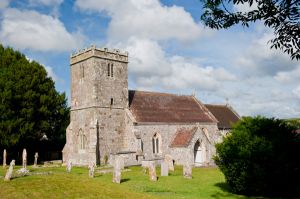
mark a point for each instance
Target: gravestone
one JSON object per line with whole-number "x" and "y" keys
{"x": 69, "y": 166}
{"x": 169, "y": 160}
{"x": 118, "y": 165}
{"x": 36, "y": 155}
{"x": 4, "y": 158}
{"x": 187, "y": 171}
{"x": 10, "y": 171}
{"x": 24, "y": 159}
{"x": 164, "y": 168}
{"x": 152, "y": 171}
{"x": 92, "y": 166}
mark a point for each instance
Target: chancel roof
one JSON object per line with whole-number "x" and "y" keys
{"x": 156, "y": 107}
{"x": 224, "y": 114}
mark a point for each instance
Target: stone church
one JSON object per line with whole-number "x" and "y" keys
{"x": 107, "y": 119}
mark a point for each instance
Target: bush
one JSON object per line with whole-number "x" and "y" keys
{"x": 260, "y": 157}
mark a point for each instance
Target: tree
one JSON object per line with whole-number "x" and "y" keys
{"x": 30, "y": 107}
{"x": 261, "y": 157}
{"x": 283, "y": 16}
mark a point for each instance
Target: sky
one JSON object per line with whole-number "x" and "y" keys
{"x": 170, "y": 50}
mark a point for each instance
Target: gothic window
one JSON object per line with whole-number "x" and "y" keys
{"x": 81, "y": 140}
{"x": 156, "y": 143}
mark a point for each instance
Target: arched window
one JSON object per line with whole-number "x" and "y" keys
{"x": 81, "y": 140}
{"x": 110, "y": 70}
{"x": 156, "y": 143}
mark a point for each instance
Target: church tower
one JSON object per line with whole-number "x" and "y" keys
{"x": 99, "y": 97}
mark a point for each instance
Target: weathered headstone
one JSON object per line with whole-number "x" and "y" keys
{"x": 24, "y": 159}
{"x": 4, "y": 158}
{"x": 118, "y": 165}
{"x": 187, "y": 171}
{"x": 69, "y": 166}
{"x": 169, "y": 160}
{"x": 9, "y": 171}
{"x": 36, "y": 155}
{"x": 92, "y": 166}
{"x": 152, "y": 171}
{"x": 164, "y": 170}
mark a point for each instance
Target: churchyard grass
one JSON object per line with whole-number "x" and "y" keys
{"x": 206, "y": 183}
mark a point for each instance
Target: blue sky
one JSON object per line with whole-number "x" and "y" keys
{"x": 170, "y": 50}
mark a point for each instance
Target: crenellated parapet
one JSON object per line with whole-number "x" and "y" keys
{"x": 103, "y": 53}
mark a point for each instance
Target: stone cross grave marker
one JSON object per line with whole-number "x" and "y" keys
{"x": 24, "y": 159}
{"x": 118, "y": 165}
{"x": 164, "y": 168}
{"x": 69, "y": 166}
{"x": 92, "y": 166}
{"x": 187, "y": 171}
{"x": 169, "y": 160}
{"x": 4, "y": 158}
{"x": 10, "y": 171}
{"x": 152, "y": 171}
{"x": 36, "y": 155}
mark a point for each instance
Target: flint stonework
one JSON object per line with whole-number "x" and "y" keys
{"x": 152, "y": 171}
{"x": 10, "y": 171}
{"x": 187, "y": 171}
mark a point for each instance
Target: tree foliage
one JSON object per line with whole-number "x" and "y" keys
{"x": 30, "y": 107}
{"x": 283, "y": 16}
{"x": 261, "y": 157}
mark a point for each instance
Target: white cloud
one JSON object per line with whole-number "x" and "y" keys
{"x": 260, "y": 60}
{"x": 45, "y": 2}
{"x": 145, "y": 19}
{"x": 151, "y": 68}
{"x": 296, "y": 92}
{"x": 288, "y": 76}
{"x": 32, "y": 30}
{"x": 4, "y": 3}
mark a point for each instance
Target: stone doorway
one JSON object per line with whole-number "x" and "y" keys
{"x": 199, "y": 153}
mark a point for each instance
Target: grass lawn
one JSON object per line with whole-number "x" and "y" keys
{"x": 206, "y": 183}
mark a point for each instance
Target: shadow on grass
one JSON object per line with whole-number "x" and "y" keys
{"x": 125, "y": 180}
{"x": 226, "y": 192}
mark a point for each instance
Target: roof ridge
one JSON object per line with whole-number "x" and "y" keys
{"x": 161, "y": 93}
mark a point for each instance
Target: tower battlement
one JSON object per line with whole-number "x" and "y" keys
{"x": 104, "y": 53}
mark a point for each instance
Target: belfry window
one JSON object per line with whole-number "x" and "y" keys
{"x": 110, "y": 70}
{"x": 156, "y": 143}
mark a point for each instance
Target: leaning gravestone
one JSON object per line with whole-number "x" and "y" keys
{"x": 92, "y": 166}
{"x": 4, "y": 158}
{"x": 36, "y": 155}
{"x": 10, "y": 171}
{"x": 164, "y": 168}
{"x": 69, "y": 166}
{"x": 169, "y": 160}
{"x": 152, "y": 171}
{"x": 187, "y": 171}
{"x": 118, "y": 165}
{"x": 24, "y": 159}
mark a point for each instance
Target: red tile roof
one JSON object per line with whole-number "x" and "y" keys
{"x": 224, "y": 114}
{"x": 183, "y": 137}
{"x": 167, "y": 108}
